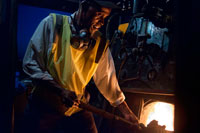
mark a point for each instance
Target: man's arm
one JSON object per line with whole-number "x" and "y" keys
{"x": 34, "y": 61}
{"x": 68, "y": 97}
{"x": 127, "y": 113}
{"x": 36, "y": 58}
{"x": 107, "y": 83}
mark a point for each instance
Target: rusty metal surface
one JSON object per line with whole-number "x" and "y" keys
{"x": 159, "y": 95}
{"x": 148, "y": 91}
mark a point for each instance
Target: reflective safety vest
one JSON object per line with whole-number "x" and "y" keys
{"x": 71, "y": 68}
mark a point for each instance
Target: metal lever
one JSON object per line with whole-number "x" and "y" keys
{"x": 108, "y": 115}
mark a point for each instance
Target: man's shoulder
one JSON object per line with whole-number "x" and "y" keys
{"x": 56, "y": 15}
{"x": 51, "y": 17}
{"x": 47, "y": 19}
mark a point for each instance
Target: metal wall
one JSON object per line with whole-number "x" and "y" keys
{"x": 7, "y": 62}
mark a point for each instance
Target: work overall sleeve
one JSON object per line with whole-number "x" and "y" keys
{"x": 36, "y": 56}
{"x": 106, "y": 80}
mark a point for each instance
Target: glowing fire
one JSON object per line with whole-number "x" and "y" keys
{"x": 160, "y": 111}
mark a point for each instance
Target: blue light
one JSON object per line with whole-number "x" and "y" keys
{"x": 28, "y": 19}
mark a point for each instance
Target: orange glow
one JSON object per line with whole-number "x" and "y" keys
{"x": 160, "y": 111}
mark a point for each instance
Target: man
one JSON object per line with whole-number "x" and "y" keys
{"x": 63, "y": 55}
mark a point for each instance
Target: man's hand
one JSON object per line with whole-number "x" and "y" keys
{"x": 69, "y": 98}
{"x": 128, "y": 114}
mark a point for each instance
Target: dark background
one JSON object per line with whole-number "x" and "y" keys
{"x": 187, "y": 69}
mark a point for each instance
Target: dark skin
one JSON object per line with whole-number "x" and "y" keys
{"x": 92, "y": 20}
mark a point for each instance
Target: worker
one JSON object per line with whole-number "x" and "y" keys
{"x": 64, "y": 53}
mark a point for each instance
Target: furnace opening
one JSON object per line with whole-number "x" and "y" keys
{"x": 160, "y": 111}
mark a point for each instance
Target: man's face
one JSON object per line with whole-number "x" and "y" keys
{"x": 95, "y": 19}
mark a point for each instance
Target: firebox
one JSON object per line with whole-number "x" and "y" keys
{"x": 159, "y": 111}
{"x": 154, "y": 108}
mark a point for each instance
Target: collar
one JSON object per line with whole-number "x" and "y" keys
{"x": 71, "y": 22}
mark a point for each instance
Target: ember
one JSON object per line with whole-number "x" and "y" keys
{"x": 160, "y": 111}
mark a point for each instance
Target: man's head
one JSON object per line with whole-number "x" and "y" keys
{"x": 91, "y": 14}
